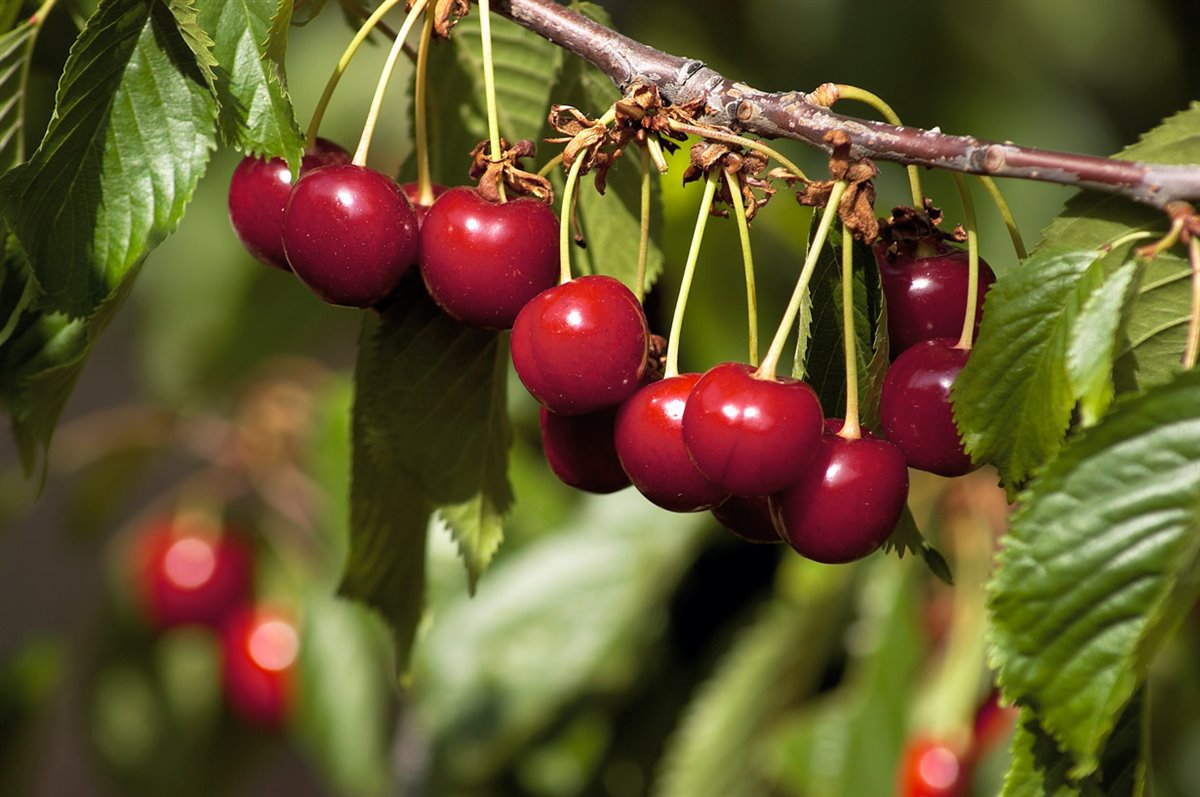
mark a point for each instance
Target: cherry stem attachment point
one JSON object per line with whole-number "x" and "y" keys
{"x": 689, "y": 270}
{"x": 364, "y": 142}
{"x": 770, "y": 363}
{"x": 713, "y": 134}
{"x": 1010, "y": 221}
{"x": 845, "y": 92}
{"x": 489, "y": 83}
{"x": 850, "y": 428}
{"x": 967, "y": 338}
{"x": 739, "y": 213}
{"x": 644, "y": 227}
{"x": 654, "y": 147}
{"x": 420, "y": 120}
{"x": 1191, "y": 351}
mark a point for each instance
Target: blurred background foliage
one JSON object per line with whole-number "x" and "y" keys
{"x": 613, "y": 649}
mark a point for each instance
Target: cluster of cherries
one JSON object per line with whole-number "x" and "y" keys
{"x": 187, "y": 574}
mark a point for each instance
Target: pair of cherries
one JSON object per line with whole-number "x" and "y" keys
{"x": 351, "y": 233}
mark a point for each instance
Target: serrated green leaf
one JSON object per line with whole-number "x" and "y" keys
{"x": 906, "y": 538}
{"x": 1013, "y": 399}
{"x": 1155, "y": 332}
{"x": 16, "y": 47}
{"x": 1103, "y": 559}
{"x": 1094, "y": 338}
{"x": 131, "y": 135}
{"x": 256, "y": 112}
{"x": 187, "y": 17}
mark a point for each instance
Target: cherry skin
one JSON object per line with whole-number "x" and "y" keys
{"x": 185, "y": 574}
{"x": 847, "y": 502}
{"x": 915, "y": 411}
{"x": 748, "y": 518}
{"x": 926, "y": 296}
{"x": 581, "y": 346}
{"x": 413, "y": 192}
{"x": 751, "y": 436}
{"x": 258, "y": 194}
{"x": 649, "y": 441}
{"x": 581, "y": 452}
{"x": 350, "y": 234}
{"x": 259, "y": 648}
{"x": 483, "y": 261}
{"x": 930, "y": 768}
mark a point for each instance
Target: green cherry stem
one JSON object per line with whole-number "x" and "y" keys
{"x": 1191, "y": 351}
{"x": 850, "y": 429}
{"x": 564, "y": 222}
{"x": 741, "y": 141}
{"x": 770, "y": 363}
{"x": 550, "y": 164}
{"x": 689, "y": 271}
{"x": 739, "y": 213}
{"x": 39, "y": 16}
{"x": 966, "y": 339}
{"x": 347, "y": 55}
{"x": 364, "y": 142}
{"x": 489, "y": 83}
{"x": 1010, "y": 221}
{"x": 845, "y": 92}
{"x": 420, "y": 119}
{"x": 644, "y": 226}
{"x": 654, "y": 147}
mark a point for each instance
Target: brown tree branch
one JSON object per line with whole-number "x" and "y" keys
{"x": 792, "y": 114}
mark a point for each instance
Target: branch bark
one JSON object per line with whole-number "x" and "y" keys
{"x": 792, "y": 114}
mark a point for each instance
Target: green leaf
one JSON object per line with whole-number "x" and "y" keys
{"x": 16, "y": 47}
{"x": 130, "y": 137}
{"x": 256, "y": 112}
{"x": 1155, "y": 332}
{"x": 1102, "y": 561}
{"x": 1093, "y": 342}
{"x": 187, "y": 17}
{"x": 907, "y": 538}
{"x": 17, "y": 289}
{"x": 1013, "y": 399}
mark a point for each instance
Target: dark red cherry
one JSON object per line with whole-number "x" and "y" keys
{"x": 413, "y": 190}
{"x": 926, "y": 296}
{"x": 259, "y": 648}
{"x": 258, "y": 194}
{"x": 649, "y": 439}
{"x": 581, "y": 346}
{"x": 932, "y": 768}
{"x": 748, "y": 518}
{"x": 751, "y": 436}
{"x": 483, "y": 261}
{"x": 581, "y": 452}
{"x": 915, "y": 411}
{"x": 847, "y": 502}
{"x": 350, "y": 234}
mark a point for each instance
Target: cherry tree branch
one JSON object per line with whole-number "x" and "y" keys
{"x": 794, "y": 115}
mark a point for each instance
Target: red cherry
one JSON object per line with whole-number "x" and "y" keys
{"x": 259, "y": 650}
{"x": 929, "y": 768}
{"x": 649, "y": 441}
{"x": 748, "y": 518}
{"x": 847, "y": 502}
{"x": 190, "y": 574}
{"x": 581, "y": 346}
{"x": 483, "y": 261}
{"x": 751, "y": 436}
{"x": 258, "y": 194}
{"x": 926, "y": 296}
{"x": 412, "y": 192}
{"x": 350, "y": 234}
{"x": 581, "y": 452}
{"x": 915, "y": 411}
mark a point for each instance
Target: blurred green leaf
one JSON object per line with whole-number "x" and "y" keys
{"x": 16, "y": 48}
{"x": 18, "y": 289}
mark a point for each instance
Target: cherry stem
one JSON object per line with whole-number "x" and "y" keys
{"x": 713, "y": 134}
{"x": 550, "y": 164}
{"x": 644, "y": 228}
{"x": 364, "y": 142}
{"x": 739, "y": 213}
{"x": 850, "y": 429}
{"x": 314, "y": 124}
{"x": 1128, "y": 238}
{"x": 1191, "y": 351}
{"x": 489, "y": 84}
{"x": 39, "y": 16}
{"x": 420, "y": 89}
{"x": 770, "y": 363}
{"x": 564, "y": 222}
{"x": 967, "y": 338}
{"x": 845, "y": 92}
{"x": 1010, "y": 221}
{"x": 654, "y": 147}
{"x": 689, "y": 270}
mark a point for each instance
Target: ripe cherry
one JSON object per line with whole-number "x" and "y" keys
{"x": 581, "y": 346}
{"x": 847, "y": 502}
{"x": 649, "y": 441}
{"x": 483, "y": 261}
{"x": 581, "y": 452}
{"x": 915, "y": 411}
{"x": 187, "y": 573}
{"x": 259, "y": 649}
{"x": 748, "y": 518}
{"x": 751, "y": 436}
{"x": 350, "y": 234}
{"x": 258, "y": 194}
{"x": 926, "y": 296}
{"x": 930, "y": 768}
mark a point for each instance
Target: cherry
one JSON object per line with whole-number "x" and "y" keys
{"x": 483, "y": 261}
{"x": 259, "y": 649}
{"x": 931, "y": 768}
{"x": 847, "y": 502}
{"x": 258, "y": 194}
{"x": 187, "y": 574}
{"x": 412, "y": 191}
{"x": 748, "y": 518}
{"x": 649, "y": 441}
{"x": 751, "y": 436}
{"x": 914, "y": 407}
{"x": 926, "y": 296}
{"x": 581, "y": 346}
{"x": 581, "y": 452}
{"x": 350, "y": 234}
